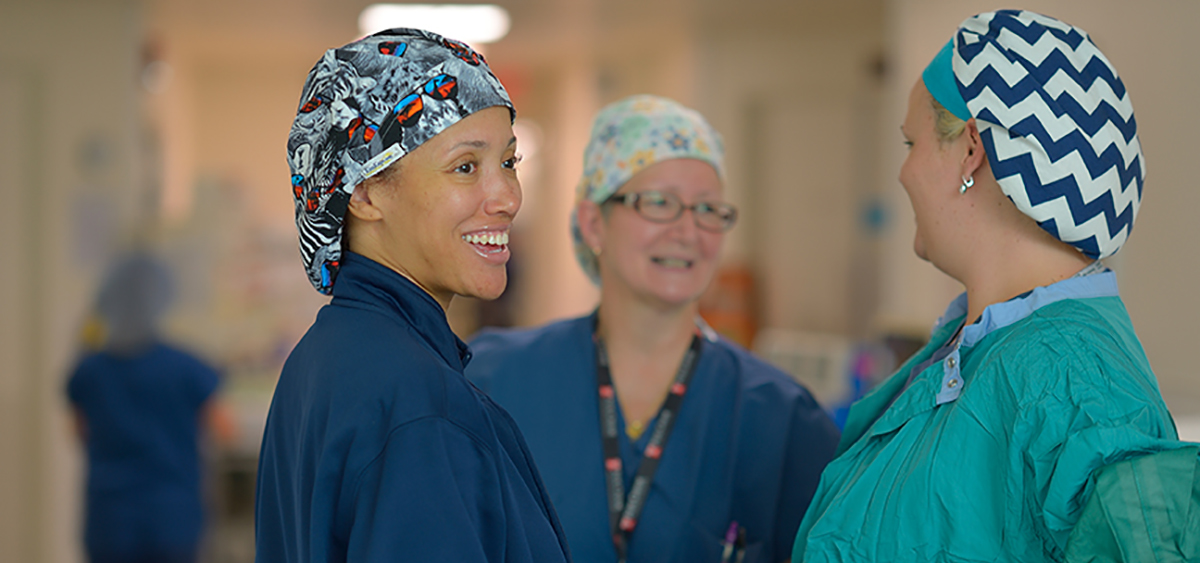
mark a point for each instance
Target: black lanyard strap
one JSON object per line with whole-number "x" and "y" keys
{"x": 624, "y": 511}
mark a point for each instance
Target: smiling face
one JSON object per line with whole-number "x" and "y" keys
{"x": 444, "y": 214}
{"x": 930, "y": 175}
{"x": 664, "y": 264}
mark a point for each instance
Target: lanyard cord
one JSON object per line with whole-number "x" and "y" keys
{"x": 623, "y": 511}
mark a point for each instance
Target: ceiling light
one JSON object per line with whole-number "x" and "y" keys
{"x": 470, "y": 23}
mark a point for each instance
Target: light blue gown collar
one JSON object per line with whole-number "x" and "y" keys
{"x": 1000, "y": 315}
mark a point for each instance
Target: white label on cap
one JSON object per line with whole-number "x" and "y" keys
{"x": 382, "y": 160}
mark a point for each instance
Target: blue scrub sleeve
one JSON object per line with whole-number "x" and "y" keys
{"x": 1141, "y": 509}
{"x": 80, "y": 386}
{"x": 813, "y": 439}
{"x": 75, "y": 384}
{"x": 431, "y": 495}
{"x": 204, "y": 383}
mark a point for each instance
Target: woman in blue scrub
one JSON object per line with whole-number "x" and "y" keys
{"x": 1031, "y": 427}
{"x": 658, "y": 440}
{"x": 141, "y": 407}
{"x": 376, "y": 447}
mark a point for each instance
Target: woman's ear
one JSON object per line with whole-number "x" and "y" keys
{"x": 362, "y": 203}
{"x": 591, "y": 224}
{"x": 975, "y": 156}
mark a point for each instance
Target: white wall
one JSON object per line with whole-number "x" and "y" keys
{"x": 793, "y": 106}
{"x": 70, "y": 181}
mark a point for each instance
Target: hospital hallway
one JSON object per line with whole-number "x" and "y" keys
{"x": 161, "y": 126}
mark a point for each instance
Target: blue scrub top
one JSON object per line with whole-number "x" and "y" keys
{"x": 377, "y": 449}
{"x": 748, "y": 446}
{"x": 143, "y": 476}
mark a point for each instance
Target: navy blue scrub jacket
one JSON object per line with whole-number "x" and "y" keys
{"x": 378, "y": 449}
{"x": 748, "y": 446}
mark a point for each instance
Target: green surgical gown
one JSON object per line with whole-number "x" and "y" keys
{"x": 989, "y": 454}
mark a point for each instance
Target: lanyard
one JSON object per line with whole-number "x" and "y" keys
{"x": 623, "y": 511}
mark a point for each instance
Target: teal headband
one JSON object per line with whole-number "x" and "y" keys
{"x": 939, "y": 79}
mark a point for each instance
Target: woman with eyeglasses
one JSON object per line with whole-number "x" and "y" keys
{"x": 657, "y": 439}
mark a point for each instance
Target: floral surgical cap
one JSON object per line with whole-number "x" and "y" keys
{"x": 629, "y": 135}
{"x": 1056, "y": 123}
{"x": 364, "y": 106}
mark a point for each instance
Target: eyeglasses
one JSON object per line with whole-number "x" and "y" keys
{"x": 662, "y": 207}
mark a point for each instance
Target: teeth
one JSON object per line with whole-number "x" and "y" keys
{"x": 673, "y": 262}
{"x": 495, "y": 239}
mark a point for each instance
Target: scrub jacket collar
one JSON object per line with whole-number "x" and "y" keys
{"x": 1000, "y": 315}
{"x": 369, "y": 284}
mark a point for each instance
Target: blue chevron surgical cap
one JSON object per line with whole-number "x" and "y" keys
{"x": 1055, "y": 120}
{"x": 364, "y": 106}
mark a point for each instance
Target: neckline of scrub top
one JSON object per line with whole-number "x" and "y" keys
{"x": 709, "y": 333}
{"x": 999, "y": 315}
{"x": 648, "y": 428}
{"x": 625, "y": 505}
{"x": 368, "y": 283}
{"x": 896, "y": 400}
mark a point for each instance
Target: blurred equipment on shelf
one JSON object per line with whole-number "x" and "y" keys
{"x": 730, "y": 304}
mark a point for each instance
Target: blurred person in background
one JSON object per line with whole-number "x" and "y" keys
{"x": 659, "y": 441}
{"x": 376, "y": 447}
{"x": 140, "y": 407}
{"x": 1031, "y": 427}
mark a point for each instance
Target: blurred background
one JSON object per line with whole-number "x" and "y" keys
{"x": 161, "y": 125}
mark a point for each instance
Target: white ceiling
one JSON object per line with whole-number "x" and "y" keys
{"x": 540, "y": 29}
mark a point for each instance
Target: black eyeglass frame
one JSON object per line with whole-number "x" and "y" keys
{"x": 633, "y": 201}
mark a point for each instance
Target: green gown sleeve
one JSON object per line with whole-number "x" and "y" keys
{"x": 1143, "y": 509}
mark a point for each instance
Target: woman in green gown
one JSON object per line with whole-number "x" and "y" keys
{"x": 1031, "y": 427}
